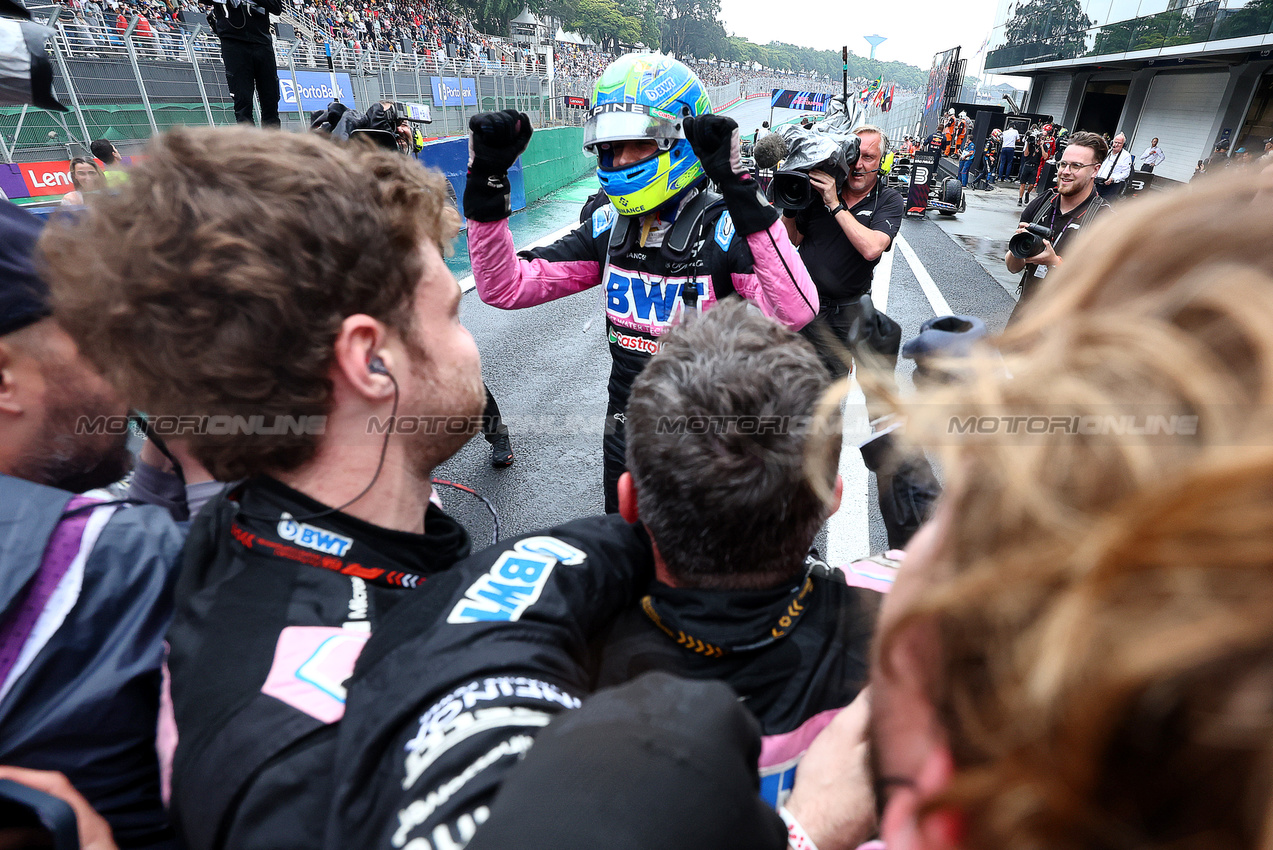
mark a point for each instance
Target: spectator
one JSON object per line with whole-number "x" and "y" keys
{"x": 112, "y": 162}
{"x": 1007, "y": 151}
{"x": 86, "y": 583}
{"x": 1112, "y": 176}
{"x": 88, "y": 180}
{"x": 733, "y": 599}
{"x": 377, "y": 308}
{"x": 1052, "y": 636}
{"x": 1153, "y": 156}
{"x": 248, "y": 54}
{"x": 1031, "y": 160}
{"x": 966, "y": 156}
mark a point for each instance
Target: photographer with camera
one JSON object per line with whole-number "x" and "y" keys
{"x": 841, "y": 236}
{"x": 1050, "y": 219}
{"x": 244, "y": 29}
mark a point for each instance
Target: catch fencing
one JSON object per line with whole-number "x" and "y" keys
{"x": 126, "y": 86}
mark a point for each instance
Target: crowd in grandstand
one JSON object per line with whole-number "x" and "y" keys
{"x": 411, "y": 27}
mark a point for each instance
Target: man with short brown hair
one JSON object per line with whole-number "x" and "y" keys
{"x": 1063, "y": 211}
{"x": 284, "y": 302}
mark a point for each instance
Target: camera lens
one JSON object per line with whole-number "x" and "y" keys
{"x": 791, "y": 190}
{"x": 1025, "y": 245}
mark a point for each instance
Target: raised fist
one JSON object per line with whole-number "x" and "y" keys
{"x": 714, "y": 139}
{"x": 496, "y": 139}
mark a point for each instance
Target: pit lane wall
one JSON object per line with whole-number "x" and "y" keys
{"x": 553, "y": 159}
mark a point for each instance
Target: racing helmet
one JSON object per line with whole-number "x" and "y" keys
{"x": 645, "y": 96}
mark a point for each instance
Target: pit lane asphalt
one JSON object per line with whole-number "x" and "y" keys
{"x": 548, "y": 365}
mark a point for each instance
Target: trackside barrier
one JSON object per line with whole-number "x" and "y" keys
{"x": 553, "y": 159}
{"x": 451, "y": 157}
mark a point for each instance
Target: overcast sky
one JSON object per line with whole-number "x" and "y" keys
{"x": 915, "y": 29}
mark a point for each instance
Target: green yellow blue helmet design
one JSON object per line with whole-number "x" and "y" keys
{"x": 645, "y": 96}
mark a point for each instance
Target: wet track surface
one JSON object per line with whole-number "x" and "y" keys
{"x": 548, "y": 366}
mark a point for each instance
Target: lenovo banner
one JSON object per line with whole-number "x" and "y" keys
{"x": 316, "y": 90}
{"x": 576, "y": 102}
{"x": 807, "y": 101}
{"x": 454, "y": 91}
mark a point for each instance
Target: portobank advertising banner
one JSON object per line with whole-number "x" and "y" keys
{"x": 315, "y": 89}
{"x": 454, "y": 91}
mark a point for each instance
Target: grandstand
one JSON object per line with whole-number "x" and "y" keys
{"x": 127, "y": 69}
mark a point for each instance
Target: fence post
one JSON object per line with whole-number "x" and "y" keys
{"x": 393, "y": 77}
{"x": 141, "y": 86}
{"x": 198, "y": 75}
{"x": 66, "y": 78}
{"x": 296, "y": 89}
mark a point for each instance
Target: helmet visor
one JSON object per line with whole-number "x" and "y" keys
{"x": 621, "y": 122}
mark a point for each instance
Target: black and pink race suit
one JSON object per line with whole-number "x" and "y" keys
{"x": 644, "y": 289}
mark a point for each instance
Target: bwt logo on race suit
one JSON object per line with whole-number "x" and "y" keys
{"x": 652, "y": 301}
{"x": 313, "y": 537}
{"x": 514, "y": 581}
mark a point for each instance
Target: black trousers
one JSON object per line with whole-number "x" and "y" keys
{"x": 250, "y": 67}
{"x": 829, "y": 333}
{"x": 493, "y": 425}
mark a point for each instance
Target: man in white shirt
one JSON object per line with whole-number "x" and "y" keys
{"x": 1152, "y": 156}
{"x": 1115, "y": 170}
{"x": 1007, "y": 152}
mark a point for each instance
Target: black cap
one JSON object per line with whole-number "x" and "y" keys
{"x": 660, "y": 762}
{"x": 24, "y": 298}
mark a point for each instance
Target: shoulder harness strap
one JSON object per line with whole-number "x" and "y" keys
{"x": 689, "y": 224}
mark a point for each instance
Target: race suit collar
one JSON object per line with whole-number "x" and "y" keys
{"x": 716, "y": 622}
{"x": 340, "y": 542}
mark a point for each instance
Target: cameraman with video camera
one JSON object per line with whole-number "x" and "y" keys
{"x": 841, "y": 236}
{"x": 1048, "y": 220}
{"x": 244, "y": 29}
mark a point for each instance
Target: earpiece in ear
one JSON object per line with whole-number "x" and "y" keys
{"x": 377, "y": 366}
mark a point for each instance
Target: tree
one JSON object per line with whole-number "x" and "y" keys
{"x": 1252, "y": 19}
{"x": 691, "y": 27}
{"x": 604, "y": 21}
{"x": 1060, "y": 24}
{"x": 494, "y": 15}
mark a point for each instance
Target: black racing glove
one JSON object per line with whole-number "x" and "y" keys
{"x": 496, "y": 139}
{"x": 714, "y": 140}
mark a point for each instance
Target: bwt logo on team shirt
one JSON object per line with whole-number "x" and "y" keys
{"x": 312, "y": 537}
{"x": 629, "y": 295}
{"x": 514, "y": 581}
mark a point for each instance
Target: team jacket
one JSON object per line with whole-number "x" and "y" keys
{"x": 795, "y": 655}
{"x": 272, "y": 612}
{"x": 451, "y": 691}
{"x": 300, "y": 731}
{"x": 643, "y": 287}
{"x": 85, "y": 597}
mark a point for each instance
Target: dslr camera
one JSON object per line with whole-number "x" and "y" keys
{"x": 1028, "y": 242}
{"x": 791, "y": 189}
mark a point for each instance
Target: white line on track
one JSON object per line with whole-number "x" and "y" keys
{"x": 466, "y": 283}
{"x": 849, "y": 529}
{"x": 883, "y": 273}
{"x": 935, "y": 298}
